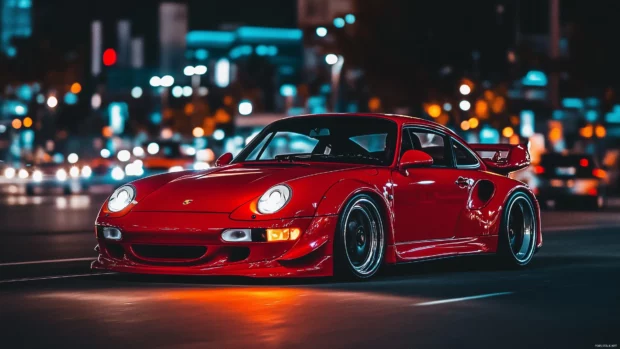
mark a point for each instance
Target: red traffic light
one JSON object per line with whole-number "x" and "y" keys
{"x": 109, "y": 57}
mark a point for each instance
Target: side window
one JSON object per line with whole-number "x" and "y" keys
{"x": 431, "y": 143}
{"x": 463, "y": 156}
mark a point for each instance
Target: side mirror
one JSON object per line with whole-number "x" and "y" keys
{"x": 225, "y": 159}
{"x": 414, "y": 158}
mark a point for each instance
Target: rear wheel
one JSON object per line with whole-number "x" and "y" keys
{"x": 517, "y": 236}
{"x": 359, "y": 239}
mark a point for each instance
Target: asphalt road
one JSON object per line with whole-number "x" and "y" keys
{"x": 569, "y": 297}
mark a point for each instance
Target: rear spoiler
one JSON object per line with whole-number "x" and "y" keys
{"x": 503, "y": 158}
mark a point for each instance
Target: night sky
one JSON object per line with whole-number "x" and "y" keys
{"x": 457, "y": 23}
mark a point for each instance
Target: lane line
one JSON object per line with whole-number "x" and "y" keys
{"x": 452, "y": 300}
{"x": 49, "y": 261}
{"x": 580, "y": 227}
{"x": 52, "y": 277}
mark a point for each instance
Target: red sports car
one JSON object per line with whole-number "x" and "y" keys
{"x": 319, "y": 195}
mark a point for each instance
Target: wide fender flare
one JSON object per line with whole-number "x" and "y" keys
{"x": 502, "y": 197}
{"x": 525, "y": 189}
{"x": 337, "y": 196}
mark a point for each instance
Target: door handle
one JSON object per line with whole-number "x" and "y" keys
{"x": 463, "y": 182}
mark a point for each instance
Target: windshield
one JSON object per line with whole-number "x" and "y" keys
{"x": 359, "y": 140}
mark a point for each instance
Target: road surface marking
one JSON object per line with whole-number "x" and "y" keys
{"x": 52, "y": 277}
{"x": 48, "y": 261}
{"x": 452, "y": 300}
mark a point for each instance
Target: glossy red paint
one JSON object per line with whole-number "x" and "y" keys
{"x": 517, "y": 157}
{"x": 414, "y": 158}
{"x": 428, "y": 212}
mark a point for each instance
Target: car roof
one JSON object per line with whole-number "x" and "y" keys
{"x": 397, "y": 118}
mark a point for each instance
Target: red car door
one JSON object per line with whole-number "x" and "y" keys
{"x": 429, "y": 201}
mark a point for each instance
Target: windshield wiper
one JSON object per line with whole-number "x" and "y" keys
{"x": 349, "y": 156}
{"x": 293, "y": 157}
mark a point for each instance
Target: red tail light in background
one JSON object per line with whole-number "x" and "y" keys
{"x": 592, "y": 192}
{"x": 539, "y": 169}
{"x": 584, "y": 162}
{"x": 598, "y": 173}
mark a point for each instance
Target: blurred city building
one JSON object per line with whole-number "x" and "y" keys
{"x": 208, "y": 77}
{"x": 16, "y": 23}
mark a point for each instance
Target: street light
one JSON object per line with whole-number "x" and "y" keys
{"x": 339, "y": 22}
{"x": 321, "y": 32}
{"x": 197, "y": 70}
{"x": 245, "y": 107}
{"x": 464, "y": 89}
{"x": 166, "y": 81}
{"x": 52, "y": 102}
{"x": 465, "y": 105}
{"x": 155, "y": 81}
{"x": 177, "y": 91}
{"x": 188, "y": 71}
{"x": 136, "y": 92}
{"x": 200, "y": 70}
{"x": 331, "y": 59}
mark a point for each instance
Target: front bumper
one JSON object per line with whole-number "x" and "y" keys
{"x": 146, "y": 234}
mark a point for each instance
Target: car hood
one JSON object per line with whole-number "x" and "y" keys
{"x": 224, "y": 189}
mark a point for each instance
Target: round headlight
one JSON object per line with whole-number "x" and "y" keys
{"x": 121, "y": 198}
{"x": 274, "y": 199}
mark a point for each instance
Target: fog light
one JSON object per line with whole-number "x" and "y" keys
{"x": 112, "y": 233}
{"x": 237, "y": 235}
{"x": 283, "y": 234}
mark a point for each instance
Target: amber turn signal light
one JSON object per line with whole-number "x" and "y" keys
{"x": 283, "y": 234}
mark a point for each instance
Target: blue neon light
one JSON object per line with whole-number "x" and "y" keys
{"x": 535, "y": 78}
{"x": 288, "y": 90}
{"x": 572, "y": 103}
{"x": 244, "y": 50}
{"x": 591, "y": 115}
{"x": 261, "y": 50}
{"x": 489, "y": 135}
{"x": 614, "y": 115}
{"x": 24, "y": 92}
{"x": 209, "y": 38}
{"x": 201, "y": 54}
{"x": 558, "y": 114}
{"x": 260, "y": 33}
{"x": 350, "y": 18}
{"x": 592, "y": 102}
{"x": 70, "y": 98}
{"x": 339, "y": 22}
{"x": 527, "y": 123}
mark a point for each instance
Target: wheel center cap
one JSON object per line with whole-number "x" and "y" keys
{"x": 361, "y": 238}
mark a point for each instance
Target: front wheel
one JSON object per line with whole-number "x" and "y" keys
{"x": 517, "y": 236}
{"x": 359, "y": 239}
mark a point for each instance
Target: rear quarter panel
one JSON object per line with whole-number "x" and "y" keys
{"x": 486, "y": 220}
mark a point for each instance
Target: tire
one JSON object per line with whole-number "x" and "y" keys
{"x": 359, "y": 242}
{"x": 518, "y": 231}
